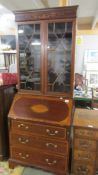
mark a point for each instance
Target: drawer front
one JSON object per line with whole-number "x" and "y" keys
{"x": 87, "y": 156}
{"x": 53, "y": 145}
{"x": 81, "y": 168}
{"x": 85, "y": 144}
{"x": 86, "y": 133}
{"x": 55, "y": 132}
{"x": 41, "y": 159}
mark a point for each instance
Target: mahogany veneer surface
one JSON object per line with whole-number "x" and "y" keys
{"x": 41, "y": 109}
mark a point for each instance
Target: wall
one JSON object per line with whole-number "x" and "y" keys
{"x": 84, "y": 42}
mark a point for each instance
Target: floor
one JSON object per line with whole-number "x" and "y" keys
{"x": 4, "y": 170}
{"x": 32, "y": 171}
{"x": 19, "y": 170}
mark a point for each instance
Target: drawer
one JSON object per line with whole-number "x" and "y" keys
{"x": 41, "y": 159}
{"x": 45, "y": 130}
{"x": 86, "y": 133}
{"x": 85, "y": 144}
{"x": 60, "y": 147}
{"x": 87, "y": 156}
{"x": 81, "y": 168}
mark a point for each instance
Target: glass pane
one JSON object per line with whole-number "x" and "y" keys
{"x": 29, "y": 56}
{"x": 59, "y": 56}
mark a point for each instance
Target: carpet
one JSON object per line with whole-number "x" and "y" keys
{"x": 4, "y": 169}
{"x": 19, "y": 170}
{"x": 33, "y": 171}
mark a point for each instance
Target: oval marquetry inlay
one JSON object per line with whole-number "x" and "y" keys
{"x": 39, "y": 108}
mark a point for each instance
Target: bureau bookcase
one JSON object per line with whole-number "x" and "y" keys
{"x": 41, "y": 114}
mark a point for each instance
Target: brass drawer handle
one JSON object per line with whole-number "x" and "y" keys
{"x": 86, "y": 133}
{"x": 90, "y": 133}
{"x": 84, "y": 156}
{"x": 81, "y": 132}
{"x": 85, "y": 144}
{"x": 52, "y": 133}
{"x": 23, "y": 140}
{"x": 50, "y": 163}
{"x": 23, "y": 157}
{"x": 83, "y": 170}
{"x": 23, "y": 126}
{"x": 51, "y": 144}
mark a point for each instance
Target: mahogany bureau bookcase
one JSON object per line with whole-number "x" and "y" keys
{"x": 40, "y": 117}
{"x": 85, "y": 142}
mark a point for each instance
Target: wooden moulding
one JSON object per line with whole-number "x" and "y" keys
{"x": 46, "y": 14}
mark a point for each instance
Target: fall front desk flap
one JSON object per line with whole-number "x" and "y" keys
{"x": 42, "y": 109}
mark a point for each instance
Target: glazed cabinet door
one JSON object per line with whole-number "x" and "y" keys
{"x": 46, "y": 57}
{"x": 29, "y": 41}
{"x": 59, "y": 57}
